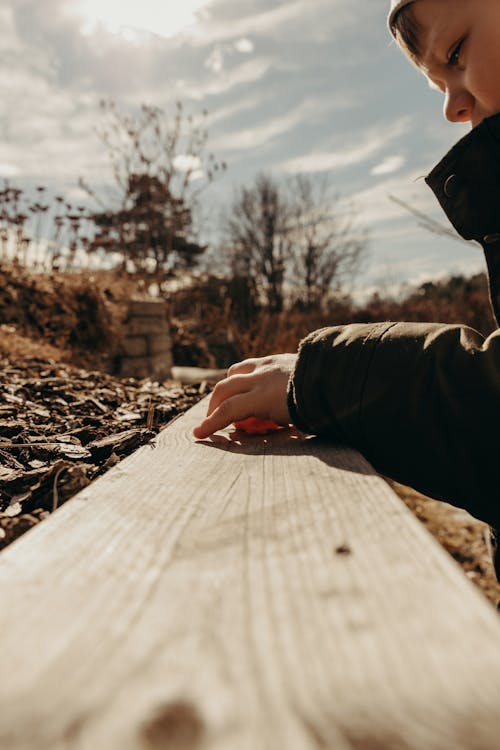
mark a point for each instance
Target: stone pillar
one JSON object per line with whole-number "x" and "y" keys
{"x": 147, "y": 346}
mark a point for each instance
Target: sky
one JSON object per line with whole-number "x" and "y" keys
{"x": 291, "y": 86}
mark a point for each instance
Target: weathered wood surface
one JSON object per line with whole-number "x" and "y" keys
{"x": 254, "y": 594}
{"x": 189, "y": 375}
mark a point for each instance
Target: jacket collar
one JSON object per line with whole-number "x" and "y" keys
{"x": 467, "y": 185}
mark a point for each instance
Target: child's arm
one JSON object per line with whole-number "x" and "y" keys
{"x": 421, "y": 401}
{"x": 253, "y": 388}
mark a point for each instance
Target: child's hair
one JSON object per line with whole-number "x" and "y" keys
{"x": 406, "y": 32}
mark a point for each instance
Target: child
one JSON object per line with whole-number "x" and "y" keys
{"x": 421, "y": 401}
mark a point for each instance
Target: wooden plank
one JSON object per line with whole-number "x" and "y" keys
{"x": 242, "y": 593}
{"x": 188, "y": 375}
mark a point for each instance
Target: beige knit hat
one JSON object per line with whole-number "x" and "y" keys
{"x": 396, "y": 6}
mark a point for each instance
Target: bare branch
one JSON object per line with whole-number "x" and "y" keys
{"x": 429, "y": 223}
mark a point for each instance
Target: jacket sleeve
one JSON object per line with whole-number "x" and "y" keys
{"x": 420, "y": 401}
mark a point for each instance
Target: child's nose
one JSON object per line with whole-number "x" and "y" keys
{"x": 458, "y": 106}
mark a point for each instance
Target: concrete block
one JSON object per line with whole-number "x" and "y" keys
{"x": 135, "y": 367}
{"x": 147, "y": 308}
{"x": 160, "y": 366}
{"x": 159, "y": 344}
{"x": 135, "y": 346}
{"x": 144, "y": 326}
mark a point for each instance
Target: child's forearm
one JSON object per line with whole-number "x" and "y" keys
{"x": 420, "y": 401}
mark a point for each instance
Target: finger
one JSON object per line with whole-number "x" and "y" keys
{"x": 228, "y": 388}
{"x": 231, "y": 410}
{"x": 244, "y": 367}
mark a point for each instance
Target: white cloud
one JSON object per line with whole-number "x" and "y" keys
{"x": 9, "y": 170}
{"x": 237, "y": 107}
{"x": 378, "y": 210}
{"x": 52, "y": 135}
{"x": 250, "y": 24}
{"x": 249, "y": 72}
{"x": 389, "y": 165}
{"x": 334, "y": 14}
{"x": 76, "y": 195}
{"x": 245, "y": 46}
{"x": 187, "y": 162}
{"x": 270, "y": 129}
{"x": 117, "y": 16}
{"x": 215, "y": 61}
{"x": 365, "y": 147}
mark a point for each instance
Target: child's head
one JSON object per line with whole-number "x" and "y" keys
{"x": 404, "y": 27}
{"x": 456, "y": 45}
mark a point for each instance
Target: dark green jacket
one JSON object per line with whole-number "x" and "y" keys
{"x": 421, "y": 401}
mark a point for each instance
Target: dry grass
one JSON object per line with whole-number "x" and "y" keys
{"x": 14, "y": 344}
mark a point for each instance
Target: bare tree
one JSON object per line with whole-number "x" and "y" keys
{"x": 260, "y": 243}
{"x": 326, "y": 247}
{"x": 290, "y": 236}
{"x": 160, "y": 169}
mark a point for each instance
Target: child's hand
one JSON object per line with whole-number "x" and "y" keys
{"x": 253, "y": 388}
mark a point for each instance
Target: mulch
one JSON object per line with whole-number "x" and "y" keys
{"x": 61, "y": 427}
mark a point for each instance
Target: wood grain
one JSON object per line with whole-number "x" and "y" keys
{"x": 242, "y": 593}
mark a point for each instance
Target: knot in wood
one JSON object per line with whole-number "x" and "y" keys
{"x": 174, "y": 726}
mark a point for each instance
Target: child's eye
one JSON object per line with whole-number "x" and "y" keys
{"x": 454, "y": 57}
